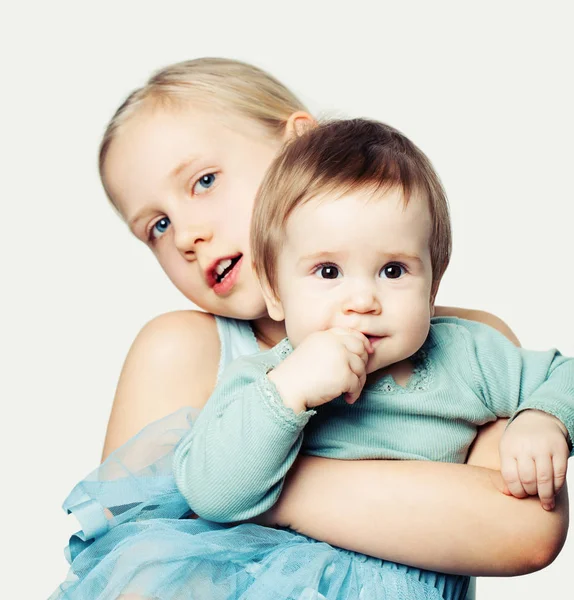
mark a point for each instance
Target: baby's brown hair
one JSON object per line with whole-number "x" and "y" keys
{"x": 339, "y": 157}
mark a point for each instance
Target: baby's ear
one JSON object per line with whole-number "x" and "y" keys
{"x": 272, "y": 302}
{"x": 298, "y": 123}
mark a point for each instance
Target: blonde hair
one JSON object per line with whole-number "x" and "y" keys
{"x": 221, "y": 83}
{"x": 336, "y": 158}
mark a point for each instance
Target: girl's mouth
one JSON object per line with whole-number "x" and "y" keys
{"x": 224, "y": 273}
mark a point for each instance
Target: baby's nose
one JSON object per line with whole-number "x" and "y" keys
{"x": 362, "y": 299}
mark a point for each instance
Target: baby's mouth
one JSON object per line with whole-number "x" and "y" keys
{"x": 374, "y": 339}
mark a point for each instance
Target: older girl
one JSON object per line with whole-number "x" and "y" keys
{"x": 181, "y": 161}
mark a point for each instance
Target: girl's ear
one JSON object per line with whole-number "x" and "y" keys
{"x": 298, "y": 123}
{"x": 273, "y": 304}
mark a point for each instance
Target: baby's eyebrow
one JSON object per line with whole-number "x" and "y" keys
{"x": 322, "y": 255}
{"x": 388, "y": 256}
{"x": 401, "y": 256}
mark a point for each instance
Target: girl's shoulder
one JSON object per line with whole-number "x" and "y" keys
{"x": 172, "y": 363}
{"x": 186, "y": 339}
{"x": 479, "y": 316}
{"x": 183, "y": 324}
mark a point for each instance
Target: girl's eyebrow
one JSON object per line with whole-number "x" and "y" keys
{"x": 137, "y": 217}
{"x": 182, "y": 166}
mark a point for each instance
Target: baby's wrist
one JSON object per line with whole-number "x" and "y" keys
{"x": 290, "y": 396}
{"x": 544, "y": 414}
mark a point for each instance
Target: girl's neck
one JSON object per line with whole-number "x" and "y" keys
{"x": 268, "y": 332}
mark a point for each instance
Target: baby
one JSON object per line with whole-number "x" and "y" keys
{"x": 351, "y": 237}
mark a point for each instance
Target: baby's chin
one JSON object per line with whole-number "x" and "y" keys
{"x": 378, "y": 366}
{"x": 388, "y": 359}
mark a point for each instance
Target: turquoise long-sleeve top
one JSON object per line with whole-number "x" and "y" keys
{"x": 232, "y": 464}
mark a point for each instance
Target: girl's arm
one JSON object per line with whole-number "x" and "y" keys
{"x": 443, "y": 516}
{"x": 438, "y": 516}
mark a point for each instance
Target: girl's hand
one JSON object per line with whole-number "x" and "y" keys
{"x": 533, "y": 455}
{"x": 324, "y": 366}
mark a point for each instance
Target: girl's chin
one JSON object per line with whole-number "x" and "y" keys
{"x": 243, "y": 309}
{"x": 245, "y": 305}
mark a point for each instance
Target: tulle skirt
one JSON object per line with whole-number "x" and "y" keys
{"x": 140, "y": 541}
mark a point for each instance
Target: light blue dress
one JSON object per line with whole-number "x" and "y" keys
{"x": 140, "y": 537}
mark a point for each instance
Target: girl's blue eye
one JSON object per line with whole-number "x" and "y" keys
{"x": 204, "y": 183}
{"x": 159, "y": 228}
{"x": 328, "y": 272}
{"x": 393, "y": 271}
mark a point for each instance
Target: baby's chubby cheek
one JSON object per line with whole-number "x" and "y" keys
{"x": 295, "y": 332}
{"x": 303, "y": 325}
{"x": 417, "y": 330}
{"x": 409, "y": 326}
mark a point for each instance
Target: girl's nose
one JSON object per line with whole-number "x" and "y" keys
{"x": 187, "y": 239}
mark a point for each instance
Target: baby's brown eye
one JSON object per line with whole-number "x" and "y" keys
{"x": 328, "y": 272}
{"x": 392, "y": 271}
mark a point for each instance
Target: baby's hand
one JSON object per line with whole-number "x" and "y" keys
{"x": 533, "y": 456}
{"x": 324, "y": 366}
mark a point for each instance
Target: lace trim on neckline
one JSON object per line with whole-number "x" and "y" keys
{"x": 419, "y": 381}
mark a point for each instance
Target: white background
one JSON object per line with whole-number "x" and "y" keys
{"x": 485, "y": 89}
